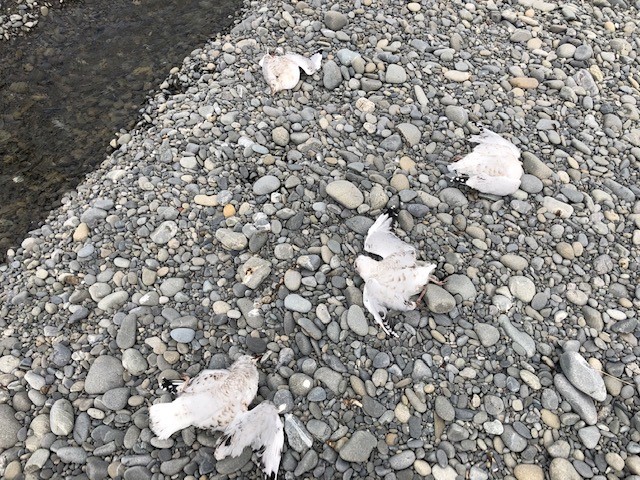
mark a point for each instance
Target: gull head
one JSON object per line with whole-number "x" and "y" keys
{"x": 245, "y": 360}
{"x": 365, "y": 266}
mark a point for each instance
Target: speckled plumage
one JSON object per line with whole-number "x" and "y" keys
{"x": 392, "y": 281}
{"x": 219, "y": 400}
{"x": 492, "y": 167}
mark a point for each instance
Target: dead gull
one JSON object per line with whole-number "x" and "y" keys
{"x": 219, "y": 400}
{"x": 282, "y": 72}
{"x": 492, "y": 167}
{"x": 392, "y": 281}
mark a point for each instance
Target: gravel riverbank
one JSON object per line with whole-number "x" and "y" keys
{"x": 228, "y": 220}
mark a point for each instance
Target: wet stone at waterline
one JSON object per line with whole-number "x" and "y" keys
{"x": 73, "y": 80}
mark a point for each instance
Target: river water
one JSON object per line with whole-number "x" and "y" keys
{"x": 78, "y": 78}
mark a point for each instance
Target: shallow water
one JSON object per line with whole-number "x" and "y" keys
{"x": 81, "y": 76}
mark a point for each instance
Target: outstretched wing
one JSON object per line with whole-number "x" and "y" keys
{"x": 259, "y": 428}
{"x": 383, "y": 242}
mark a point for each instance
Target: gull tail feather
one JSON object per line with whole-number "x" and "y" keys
{"x": 423, "y": 274}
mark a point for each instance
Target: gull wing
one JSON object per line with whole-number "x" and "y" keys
{"x": 383, "y": 242}
{"x": 259, "y": 428}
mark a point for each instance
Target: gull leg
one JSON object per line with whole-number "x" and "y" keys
{"x": 419, "y": 300}
{"x": 185, "y": 382}
{"x": 432, "y": 279}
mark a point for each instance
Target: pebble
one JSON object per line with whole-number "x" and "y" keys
{"x": 254, "y": 272}
{"x": 81, "y": 232}
{"x": 524, "y": 82}
{"x": 453, "y": 197}
{"x": 280, "y": 136}
{"x": 530, "y": 379}
{"x": 36, "y": 461}
{"x": 229, "y": 464}
{"x": 562, "y": 469}
{"x": 444, "y": 409}
{"x": 439, "y": 300}
{"x": 75, "y": 455}
{"x": 183, "y": 335}
{"x": 297, "y": 435}
{"x": 331, "y": 75}
{"x": 396, "y": 74}
{"x": 523, "y": 339}
{"x": 514, "y": 262}
{"x": 581, "y": 403}
{"x": 556, "y": 207}
{"x": 411, "y": 134}
{"x": 456, "y": 114}
{"x": 443, "y": 473}
{"x": 265, "y": 185}
{"x": 457, "y": 76}
{"x": 345, "y": 193}
{"x": 461, "y": 285}
{"x": 113, "y": 301}
{"x": 134, "y": 362}
{"x": 522, "y": 288}
{"x": 172, "y": 286}
{"x": 402, "y": 413}
{"x": 104, "y": 374}
{"x": 10, "y": 427}
{"x": 582, "y": 375}
{"x": 297, "y": 303}
{"x": 359, "y": 447}
{"x": 116, "y": 398}
{"x": 633, "y": 464}
{"x": 528, "y": 472}
{"x": 487, "y": 334}
{"x": 512, "y": 440}
{"x": 335, "y": 20}
{"x": 165, "y": 232}
{"x": 357, "y": 321}
{"x": 232, "y": 240}
{"x": 402, "y": 460}
{"x": 589, "y": 436}
{"x": 61, "y": 417}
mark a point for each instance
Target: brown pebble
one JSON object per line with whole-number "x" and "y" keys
{"x": 229, "y": 210}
